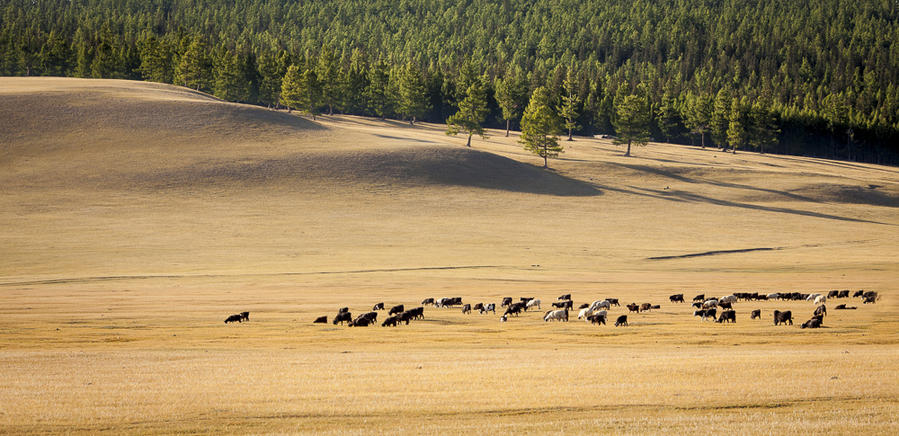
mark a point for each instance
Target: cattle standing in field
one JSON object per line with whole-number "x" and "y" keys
{"x": 390, "y": 322}
{"x": 343, "y": 310}
{"x": 833, "y": 294}
{"x": 645, "y": 306}
{"x": 728, "y": 316}
{"x": 321, "y": 320}
{"x": 633, "y": 307}
{"x": 417, "y": 313}
{"x": 360, "y": 321}
{"x": 656, "y": 306}
{"x": 613, "y": 302}
{"x": 396, "y": 309}
{"x": 525, "y": 300}
{"x": 843, "y": 294}
{"x": 677, "y": 298}
{"x": 466, "y": 309}
{"x": 858, "y": 293}
{"x": 706, "y": 314}
{"x": 245, "y": 316}
{"x": 426, "y": 301}
{"x": 233, "y": 318}
{"x": 622, "y": 320}
{"x": 783, "y": 317}
{"x": 567, "y": 304}
{"x": 728, "y": 299}
{"x": 700, "y": 297}
{"x": 870, "y": 299}
{"x": 726, "y": 305}
{"x": 584, "y": 313}
{"x": 600, "y": 304}
{"x": 564, "y": 297}
{"x": 597, "y": 318}
{"x": 371, "y": 316}
{"x": 507, "y": 301}
{"x": 697, "y": 305}
{"x": 756, "y": 314}
{"x": 379, "y": 306}
{"x": 514, "y": 309}
{"x": 711, "y": 302}
{"x": 820, "y": 299}
{"x": 556, "y": 315}
{"x": 479, "y": 307}
{"x": 343, "y": 317}
{"x": 489, "y": 308}
{"x": 532, "y": 304}
{"x": 821, "y": 310}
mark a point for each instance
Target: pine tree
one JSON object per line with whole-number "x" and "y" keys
{"x": 698, "y": 115}
{"x": 194, "y": 69}
{"x": 668, "y": 117}
{"x": 512, "y": 96}
{"x": 763, "y": 126}
{"x": 540, "y": 126}
{"x": 230, "y": 83}
{"x": 292, "y": 88}
{"x": 376, "y": 94}
{"x": 326, "y": 70}
{"x": 472, "y": 112}
{"x": 413, "y": 98}
{"x": 631, "y": 121}
{"x": 720, "y": 118}
{"x": 737, "y": 132}
{"x": 570, "y": 101}
{"x": 156, "y": 60}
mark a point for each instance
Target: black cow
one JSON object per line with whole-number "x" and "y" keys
{"x": 507, "y": 301}
{"x": 645, "y": 306}
{"x": 870, "y": 299}
{"x": 379, "y": 306}
{"x": 700, "y": 297}
{"x": 245, "y": 316}
{"x": 728, "y": 316}
{"x": 417, "y": 313}
{"x": 783, "y": 317}
{"x": 821, "y": 310}
{"x": 466, "y": 308}
{"x": 858, "y": 293}
{"x": 843, "y": 294}
{"x": 583, "y": 306}
{"x": 372, "y": 316}
{"x": 844, "y": 307}
{"x": 489, "y": 308}
{"x": 479, "y": 307}
{"x": 360, "y": 321}
{"x": 343, "y": 309}
{"x": 698, "y": 304}
{"x": 726, "y": 305}
{"x": 564, "y": 297}
{"x": 390, "y": 322}
{"x": 567, "y": 304}
{"x": 622, "y": 320}
{"x": 833, "y": 294}
{"x": 321, "y": 320}
{"x": 233, "y": 318}
{"x": 396, "y": 309}
{"x": 633, "y": 307}
{"x": 706, "y": 313}
{"x": 756, "y": 314}
{"x": 514, "y": 309}
{"x": 656, "y": 306}
{"x": 811, "y": 324}
{"x": 343, "y": 317}
{"x": 597, "y": 318}
{"x": 427, "y": 301}
{"x": 613, "y": 302}
{"x": 677, "y": 298}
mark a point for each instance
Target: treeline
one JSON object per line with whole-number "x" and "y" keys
{"x": 802, "y": 77}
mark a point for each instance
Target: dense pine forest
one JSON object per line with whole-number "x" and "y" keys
{"x": 806, "y": 77}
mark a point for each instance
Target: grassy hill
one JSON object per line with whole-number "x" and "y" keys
{"x": 135, "y": 216}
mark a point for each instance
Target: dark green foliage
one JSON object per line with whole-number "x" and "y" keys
{"x": 540, "y": 126}
{"x": 631, "y": 121}
{"x": 511, "y": 95}
{"x": 471, "y": 114}
{"x": 413, "y": 98}
{"x": 824, "y": 72}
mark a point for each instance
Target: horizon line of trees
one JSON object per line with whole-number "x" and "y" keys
{"x": 815, "y": 79}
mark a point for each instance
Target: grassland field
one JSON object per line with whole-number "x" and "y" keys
{"x": 134, "y": 217}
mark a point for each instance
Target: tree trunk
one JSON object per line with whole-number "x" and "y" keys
{"x": 628, "y": 148}
{"x": 545, "y": 160}
{"x": 469, "y": 140}
{"x": 569, "y": 135}
{"x": 412, "y": 120}
{"x": 330, "y": 109}
{"x": 508, "y": 122}
{"x": 313, "y": 116}
{"x": 702, "y": 135}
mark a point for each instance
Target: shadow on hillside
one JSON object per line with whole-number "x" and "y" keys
{"x": 410, "y": 167}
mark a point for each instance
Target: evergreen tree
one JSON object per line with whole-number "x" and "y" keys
{"x": 55, "y": 56}
{"x": 511, "y": 95}
{"x": 570, "y": 101}
{"x": 270, "y": 73}
{"x": 720, "y": 118}
{"x": 540, "y": 126}
{"x": 764, "y": 128}
{"x": 230, "y": 82}
{"x": 413, "y": 98}
{"x": 668, "y": 117}
{"x": 376, "y": 94}
{"x": 631, "y": 121}
{"x": 194, "y": 69}
{"x": 472, "y": 112}
{"x": 156, "y": 60}
{"x": 292, "y": 88}
{"x": 698, "y": 118}
{"x": 326, "y": 70}
{"x": 737, "y": 131}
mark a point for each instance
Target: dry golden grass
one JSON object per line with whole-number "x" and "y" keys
{"x": 134, "y": 217}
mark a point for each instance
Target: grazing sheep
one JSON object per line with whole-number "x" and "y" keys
{"x": 321, "y": 320}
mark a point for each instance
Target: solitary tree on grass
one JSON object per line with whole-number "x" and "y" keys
{"x": 540, "y": 126}
{"x": 472, "y": 112}
{"x": 631, "y": 121}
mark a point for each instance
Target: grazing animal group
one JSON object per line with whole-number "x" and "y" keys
{"x": 239, "y": 318}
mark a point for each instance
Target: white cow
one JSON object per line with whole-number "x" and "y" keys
{"x": 774, "y": 296}
{"x": 812, "y": 297}
{"x": 556, "y": 315}
{"x": 600, "y": 304}
{"x": 820, "y": 299}
{"x": 533, "y": 303}
{"x": 728, "y": 299}
{"x": 584, "y": 313}
{"x": 707, "y": 304}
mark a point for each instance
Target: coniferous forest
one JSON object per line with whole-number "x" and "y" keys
{"x": 815, "y": 78}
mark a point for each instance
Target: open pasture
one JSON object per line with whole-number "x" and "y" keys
{"x": 134, "y": 218}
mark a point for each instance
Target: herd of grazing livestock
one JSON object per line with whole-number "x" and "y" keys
{"x": 707, "y": 308}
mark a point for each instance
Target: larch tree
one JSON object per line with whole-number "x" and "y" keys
{"x": 326, "y": 71}
{"x": 570, "y": 101}
{"x": 720, "y": 118}
{"x": 540, "y": 126}
{"x": 737, "y": 127}
{"x": 194, "y": 69}
{"x": 472, "y": 112}
{"x": 631, "y": 121}
{"x": 763, "y": 126}
{"x": 230, "y": 83}
{"x": 698, "y": 115}
{"x": 301, "y": 90}
{"x": 413, "y": 98}
{"x": 511, "y": 95}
